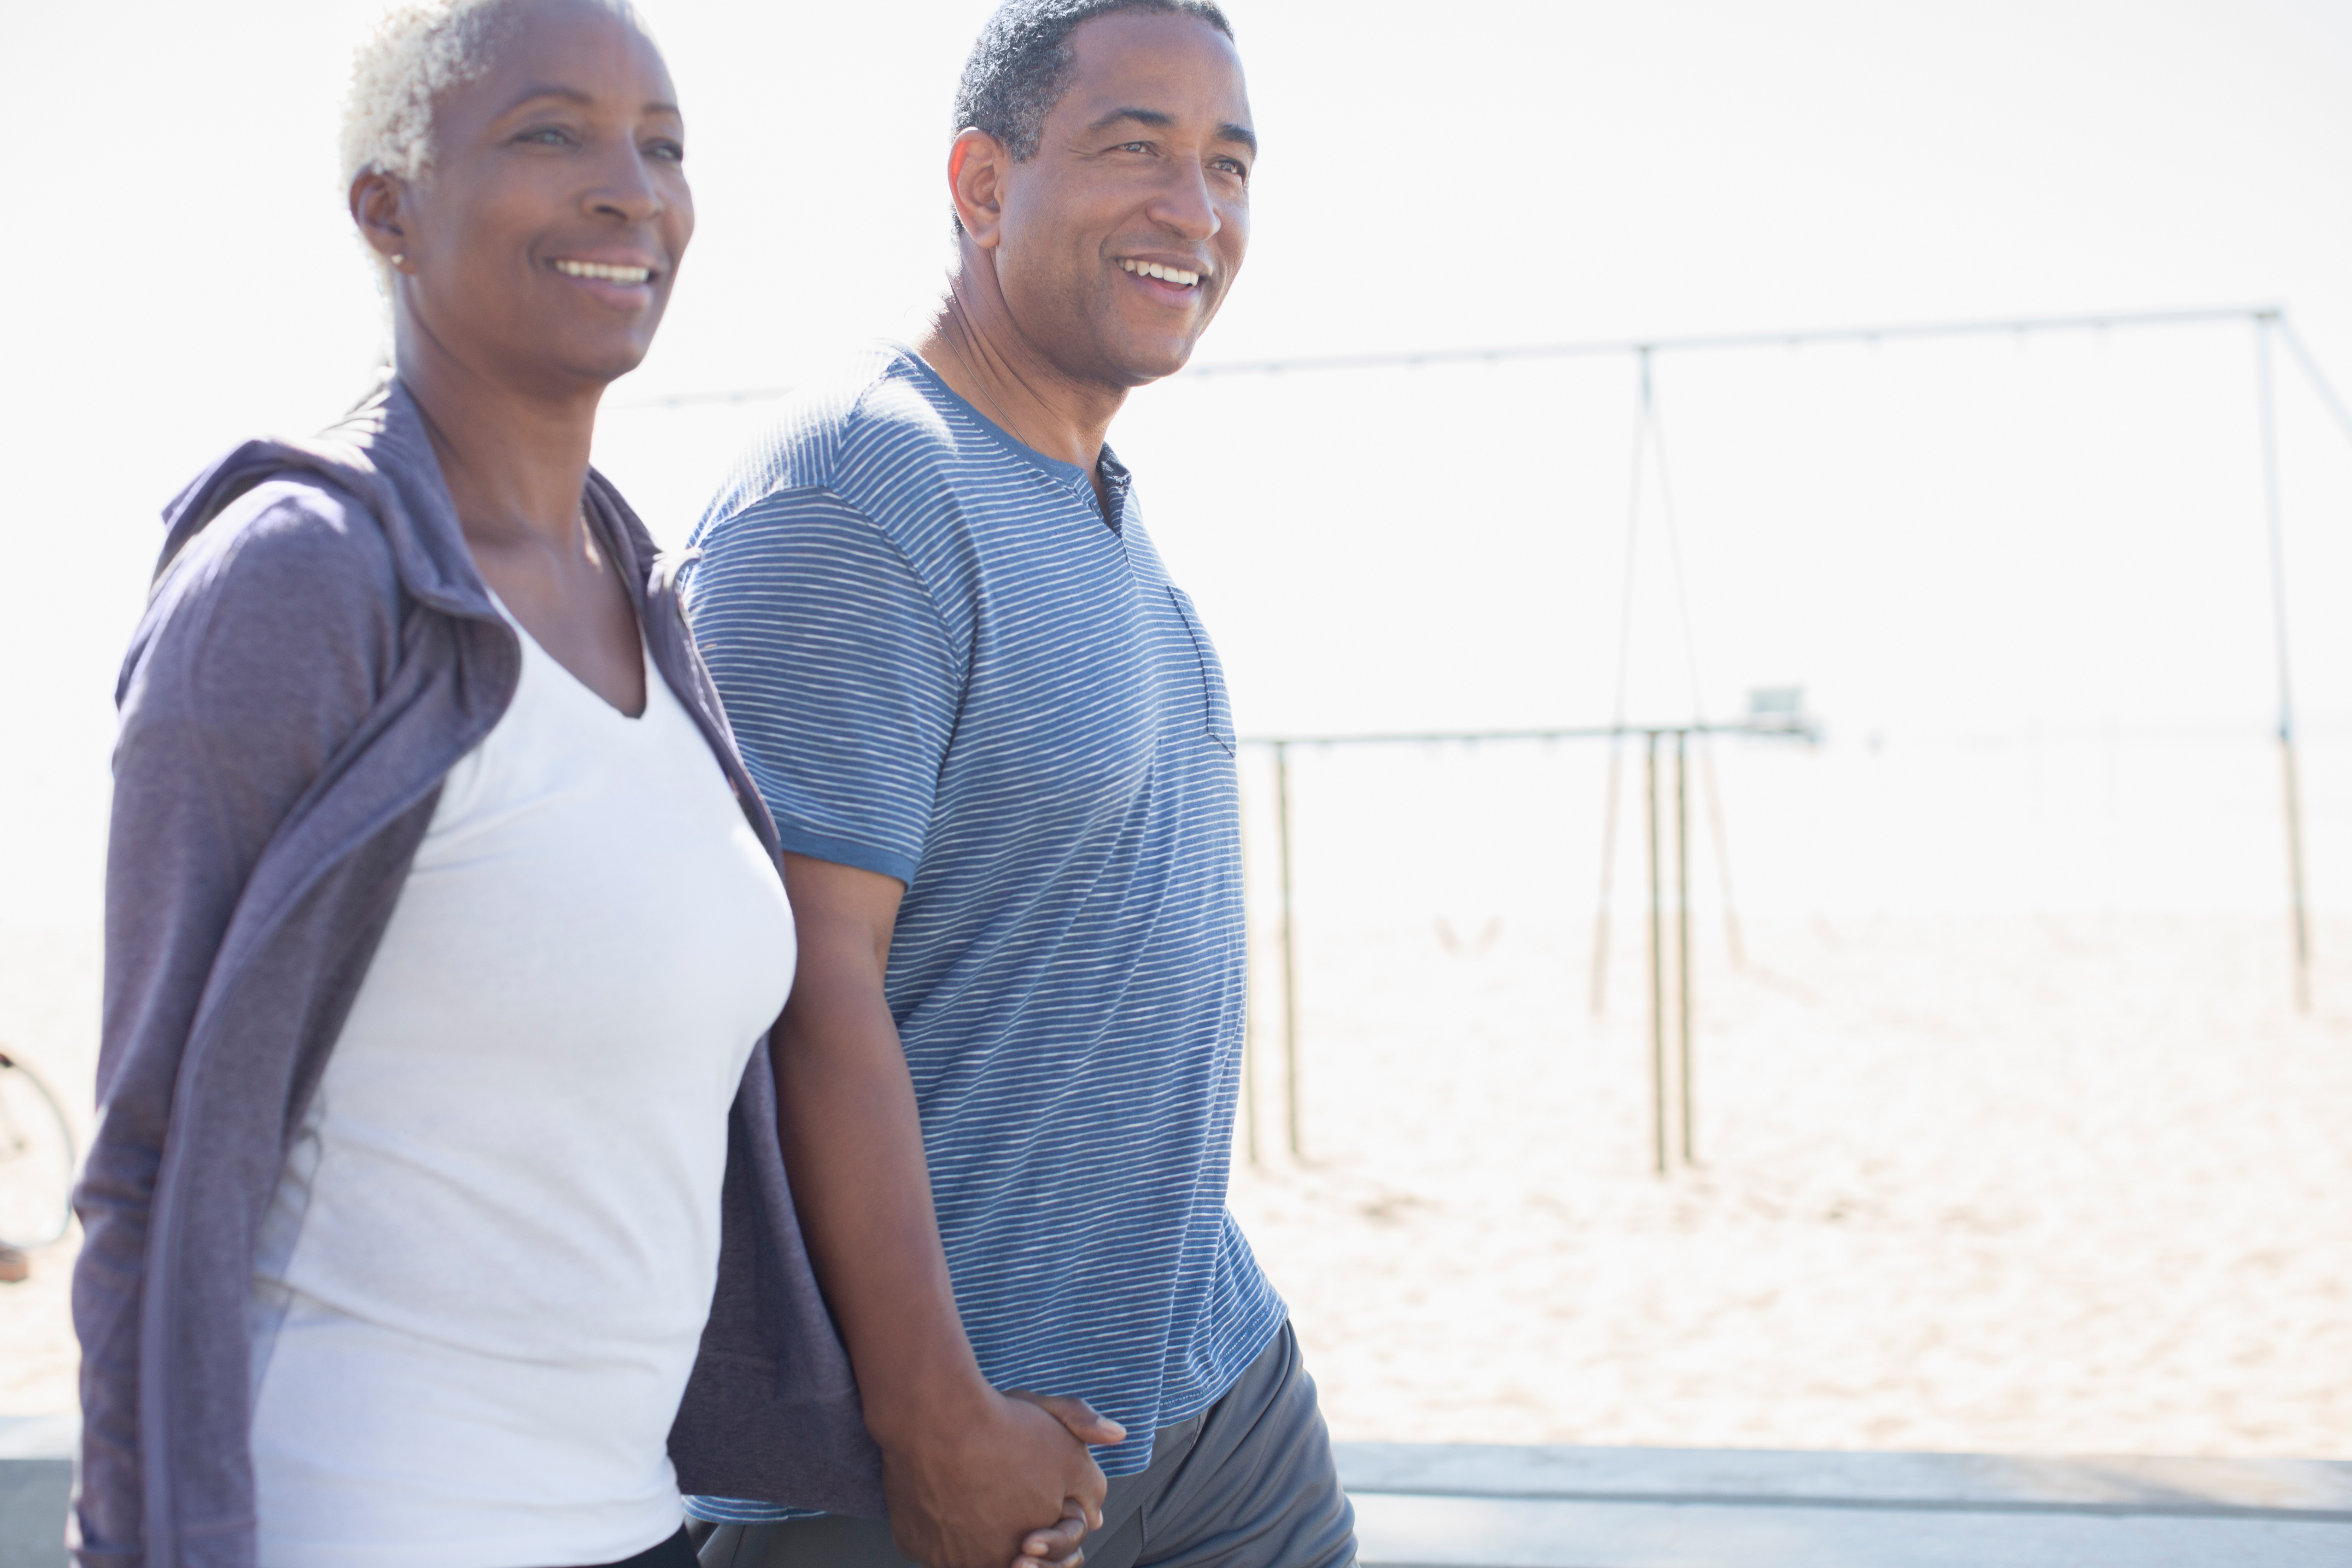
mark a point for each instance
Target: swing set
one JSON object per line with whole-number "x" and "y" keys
{"x": 1673, "y": 1139}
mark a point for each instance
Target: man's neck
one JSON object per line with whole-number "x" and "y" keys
{"x": 516, "y": 464}
{"x": 974, "y": 345}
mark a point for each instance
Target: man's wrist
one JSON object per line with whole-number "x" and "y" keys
{"x": 910, "y": 1412}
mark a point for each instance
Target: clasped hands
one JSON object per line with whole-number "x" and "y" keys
{"x": 967, "y": 1487}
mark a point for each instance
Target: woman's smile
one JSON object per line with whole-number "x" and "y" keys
{"x": 622, "y": 283}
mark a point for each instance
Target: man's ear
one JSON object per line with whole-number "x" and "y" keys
{"x": 375, "y": 207}
{"x": 977, "y": 166}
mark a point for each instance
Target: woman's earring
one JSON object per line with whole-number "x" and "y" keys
{"x": 399, "y": 259}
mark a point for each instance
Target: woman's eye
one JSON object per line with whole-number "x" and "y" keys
{"x": 668, "y": 151}
{"x": 547, "y": 136}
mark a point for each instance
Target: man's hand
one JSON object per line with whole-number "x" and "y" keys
{"x": 1059, "y": 1547}
{"x": 974, "y": 1478}
{"x": 969, "y": 1489}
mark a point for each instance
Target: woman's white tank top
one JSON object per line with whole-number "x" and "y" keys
{"x": 484, "y": 1273}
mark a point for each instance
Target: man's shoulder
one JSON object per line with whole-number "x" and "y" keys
{"x": 866, "y": 437}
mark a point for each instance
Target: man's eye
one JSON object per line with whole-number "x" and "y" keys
{"x": 668, "y": 151}
{"x": 1132, "y": 147}
{"x": 1233, "y": 167}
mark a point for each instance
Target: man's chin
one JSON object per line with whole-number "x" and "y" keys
{"x": 1141, "y": 364}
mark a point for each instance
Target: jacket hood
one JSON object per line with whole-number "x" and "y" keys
{"x": 379, "y": 453}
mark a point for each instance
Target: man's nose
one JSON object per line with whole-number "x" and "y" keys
{"x": 1186, "y": 205}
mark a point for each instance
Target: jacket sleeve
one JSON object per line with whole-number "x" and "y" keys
{"x": 262, "y": 652}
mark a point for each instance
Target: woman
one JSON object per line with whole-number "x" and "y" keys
{"x": 442, "y": 925}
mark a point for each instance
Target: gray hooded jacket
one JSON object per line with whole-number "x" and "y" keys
{"x": 305, "y": 677}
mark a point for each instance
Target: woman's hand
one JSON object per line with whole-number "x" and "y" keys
{"x": 1054, "y": 1548}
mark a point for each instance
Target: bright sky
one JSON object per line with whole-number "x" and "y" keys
{"x": 1932, "y": 539}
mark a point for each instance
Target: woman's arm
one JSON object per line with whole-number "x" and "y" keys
{"x": 260, "y": 656}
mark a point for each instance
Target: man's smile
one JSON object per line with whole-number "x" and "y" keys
{"x": 1164, "y": 278}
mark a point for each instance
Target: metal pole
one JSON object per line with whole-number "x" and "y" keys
{"x": 1290, "y": 944}
{"x": 1599, "y": 990}
{"x": 1642, "y": 428}
{"x": 1683, "y": 934}
{"x": 1734, "y": 944}
{"x": 2262, "y": 324}
{"x": 1657, "y": 963}
{"x": 1249, "y": 1090}
{"x": 2310, "y": 367}
{"x": 1249, "y": 995}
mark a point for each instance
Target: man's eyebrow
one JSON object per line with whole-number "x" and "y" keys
{"x": 1159, "y": 119}
{"x": 1151, "y": 117}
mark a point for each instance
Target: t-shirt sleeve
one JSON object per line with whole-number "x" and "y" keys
{"x": 837, "y": 674}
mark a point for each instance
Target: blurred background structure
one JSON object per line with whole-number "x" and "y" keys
{"x": 2013, "y": 1132}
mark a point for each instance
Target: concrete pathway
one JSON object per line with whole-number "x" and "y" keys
{"x": 35, "y": 1472}
{"x": 1457, "y": 1505}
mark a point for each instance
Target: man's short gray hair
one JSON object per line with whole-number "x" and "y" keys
{"x": 1020, "y": 65}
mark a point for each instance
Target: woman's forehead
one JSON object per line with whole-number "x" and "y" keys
{"x": 568, "y": 48}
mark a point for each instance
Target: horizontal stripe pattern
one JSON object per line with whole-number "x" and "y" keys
{"x": 942, "y": 666}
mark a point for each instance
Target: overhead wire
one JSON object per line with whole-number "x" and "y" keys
{"x": 1506, "y": 352}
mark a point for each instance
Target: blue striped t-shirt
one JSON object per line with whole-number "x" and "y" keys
{"x": 943, "y": 664}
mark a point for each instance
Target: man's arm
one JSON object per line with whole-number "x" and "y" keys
{"x": 971, "y": 1474}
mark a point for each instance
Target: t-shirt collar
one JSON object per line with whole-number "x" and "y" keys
{"x": 1116, "y": 477}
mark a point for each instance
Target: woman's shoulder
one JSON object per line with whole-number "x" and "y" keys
{"x": 270, "y": 499}
{"x": 285, "y": 569}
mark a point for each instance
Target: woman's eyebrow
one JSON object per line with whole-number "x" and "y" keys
{"x": 568, "y": 94}
{"x": 576, "y": 95}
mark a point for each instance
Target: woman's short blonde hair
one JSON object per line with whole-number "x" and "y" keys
{"x": 419, "y": 50}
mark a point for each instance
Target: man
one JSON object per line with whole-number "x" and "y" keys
{"x": 995, "y": 739}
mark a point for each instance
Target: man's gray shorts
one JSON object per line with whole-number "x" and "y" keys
{"x": 1247, "y": 1483}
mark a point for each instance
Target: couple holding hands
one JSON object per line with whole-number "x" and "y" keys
{"x": 611, "y": 1058}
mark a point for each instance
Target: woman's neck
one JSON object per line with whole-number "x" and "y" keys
{"x": 515, "y": 459}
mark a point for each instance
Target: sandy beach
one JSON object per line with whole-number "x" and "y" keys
{"x": 2010, "y": 1184}
{"x": 1998, "y": 1185}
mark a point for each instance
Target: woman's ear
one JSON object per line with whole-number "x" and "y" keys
{"x": 376, "y": 202}
{"x": 976, "y": 167}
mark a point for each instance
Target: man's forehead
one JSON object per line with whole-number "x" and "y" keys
{"x": 1160, "y": 68}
